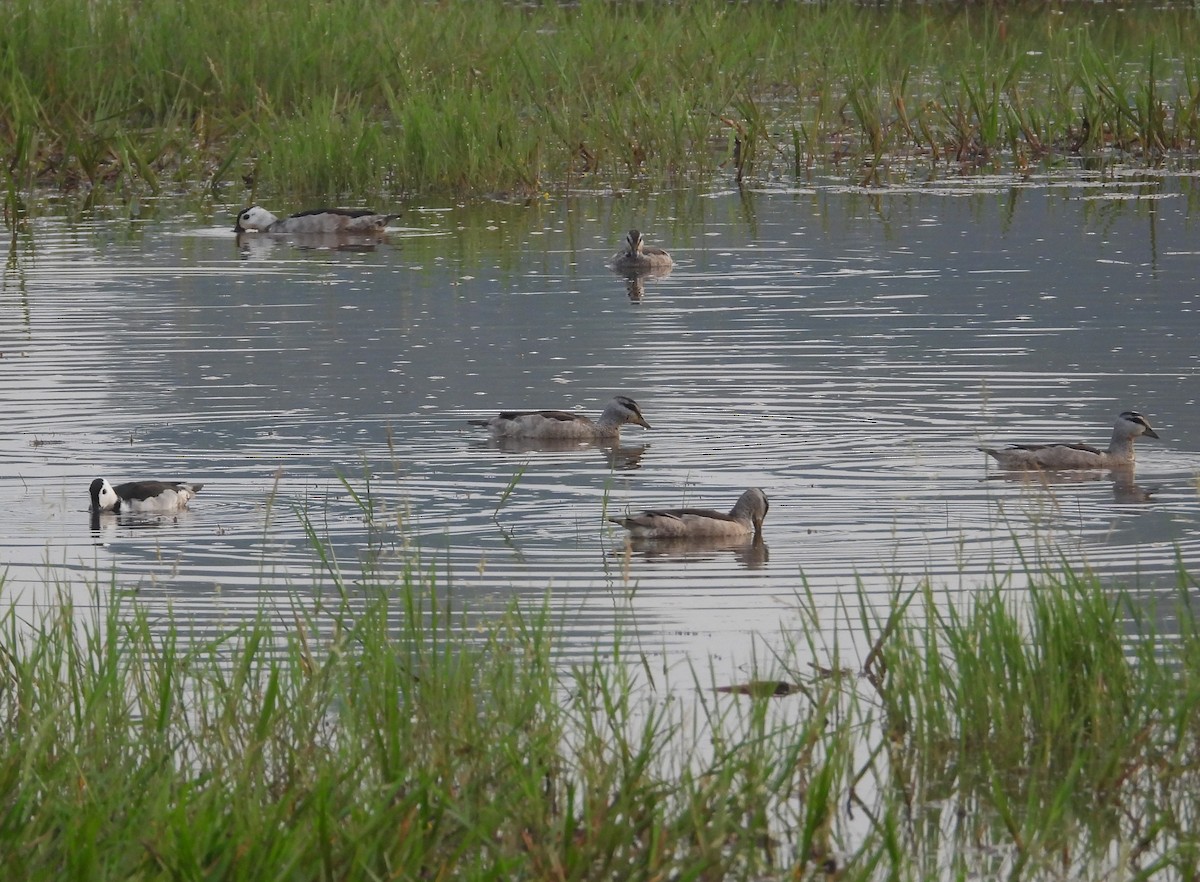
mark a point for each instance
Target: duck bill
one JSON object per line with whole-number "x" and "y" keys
{"x": 1150, "y": 433}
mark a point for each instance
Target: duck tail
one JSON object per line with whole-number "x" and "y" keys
{"x": 477, "y": 423}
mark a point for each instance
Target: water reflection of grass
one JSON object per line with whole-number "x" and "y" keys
{"x": 1034, "y": 734}
{"x": 463, "y": 96}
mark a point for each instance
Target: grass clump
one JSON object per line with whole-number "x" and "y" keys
{"x": 304, "y": 99}
{"x": 373, "y": 742}
{"x": 1035, "y": 735}
{"x": 1064, "y": 719}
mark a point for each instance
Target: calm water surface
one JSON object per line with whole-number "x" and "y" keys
{"x": 843, "y": 349}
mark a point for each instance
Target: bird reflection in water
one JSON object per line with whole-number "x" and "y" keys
{"x": 1125, "y": 488}
{"x": 620, "y": 457}
{"x": 104, "y": 524}
{"x": 753, "y": 554}
{"x": 260, "y": 245}
{"x": 635, "y": 280}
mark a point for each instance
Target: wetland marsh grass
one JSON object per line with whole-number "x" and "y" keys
{"x": 311, "y": 101}
{"x": 1035, "y": 734}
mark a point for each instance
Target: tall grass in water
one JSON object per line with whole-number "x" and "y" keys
{"x": 315, "y": 101}
{"x": 1036, "y": 736}
{"x": 1062, "y": 723}
{"x": 383, "y": 744}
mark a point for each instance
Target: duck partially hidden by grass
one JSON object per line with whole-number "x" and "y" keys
{"x": 257, "y": 219}
{"x": 142, "y": 497}
{"x": 1119, "y": 454}
{"x": 637, "y": 255}
{"x": 566, "y": 425}
{"x": 745, "y": 518}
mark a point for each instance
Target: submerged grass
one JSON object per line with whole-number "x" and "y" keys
{"x": 1050, "y": 733}
{"x": 132, "y": 96}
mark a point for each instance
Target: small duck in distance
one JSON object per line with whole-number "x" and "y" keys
{"x": 561, "y": 424}
{"x": 257, "y": 219}
{"x": 746, "y": 517}
{"x": 1119, "y": 454}
{"x": 142, "y": 497}
{"x": 636, "y": 255}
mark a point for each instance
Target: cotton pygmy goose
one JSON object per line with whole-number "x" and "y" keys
{"x": 745, "y": 518}
{"x": 562, "y": 424}
{"x": 257, "y": 219}
{"x": 637, "y": 255}
{"x": 137, "y": 497}
{"x": 1129, "y": 426}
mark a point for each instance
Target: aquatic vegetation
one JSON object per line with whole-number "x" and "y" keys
{"x": 125, "y": 97}
{"x": 376, "y": 731}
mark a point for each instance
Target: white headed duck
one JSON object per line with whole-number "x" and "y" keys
{"x": 142, "y": 497}
{"x": 257, "y": 219}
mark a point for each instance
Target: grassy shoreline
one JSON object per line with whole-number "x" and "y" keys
{"x": 129, "y": 97}
{"x": 1035, "y": 735}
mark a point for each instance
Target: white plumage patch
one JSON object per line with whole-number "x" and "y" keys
{"x": 140, "y": 497}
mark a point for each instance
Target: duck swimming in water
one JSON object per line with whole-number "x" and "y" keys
{"x": 636, "y": 255}
{"x": 561, "y": 424}
{"x": 257, "y": 219}
{"x": 1119, "y": 454}
{"x": 746, "y": 517}
{"x": 140, "y": 497}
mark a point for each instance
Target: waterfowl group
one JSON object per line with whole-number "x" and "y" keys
{"x": 566, "y": 425}
{"x": 744, "y": 519}
{"x": 142, "y": 497}
{"x": 1129, "y": 426}
{"x": 637, "y": 255}
{"x": 257, "y": 219}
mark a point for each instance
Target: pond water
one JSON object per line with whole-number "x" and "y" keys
{"x": 844, "y": 349}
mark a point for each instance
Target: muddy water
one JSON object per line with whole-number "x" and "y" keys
{"x": 843, "y": 349}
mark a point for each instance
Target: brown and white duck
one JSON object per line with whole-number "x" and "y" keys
{"x": 745, "y": 518}
{"x": 1129, "y": 426}
{"x": 637, "y": 255}
{"x": 257, "y": 219}
{"x": 562, "y": 424}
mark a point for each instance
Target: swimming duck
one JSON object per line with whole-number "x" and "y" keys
{"x": 1129, "y": 426}
{"x": 744, "y": 518}
{"x": 561, "y": 424}
{"x": 257, "y": 219}
{"x": 638, "y": 256}
{"x": 142, "y": 496}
